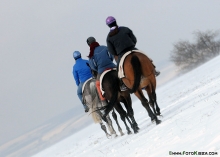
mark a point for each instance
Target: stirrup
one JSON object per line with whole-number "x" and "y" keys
{"x": 123, "y": 87}
{"x": 157, "y": 73}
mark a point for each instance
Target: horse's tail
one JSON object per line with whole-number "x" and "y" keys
{"x": 115, "y": 88}
{"x": 95, "y": 116}
{"x": 135, "y": 62}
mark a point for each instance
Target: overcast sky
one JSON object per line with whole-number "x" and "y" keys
{"x": 37, "y": 39}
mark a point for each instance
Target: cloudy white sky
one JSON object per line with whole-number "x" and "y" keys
{"x": 37, "y": 39}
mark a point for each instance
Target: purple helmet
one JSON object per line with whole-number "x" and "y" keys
{"x": 110, "y": 20}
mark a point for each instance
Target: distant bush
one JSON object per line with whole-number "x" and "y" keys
{"x": 187, "y": 56}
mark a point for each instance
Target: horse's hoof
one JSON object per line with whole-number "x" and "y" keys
{"x": 152, "y": 120}
{"x": 136, "y": 131}
{"x": 129, "y": 132}
{"x": 108, "y": 136}
{"x": 158, "y": 122}
{"x": 161, "y": 116}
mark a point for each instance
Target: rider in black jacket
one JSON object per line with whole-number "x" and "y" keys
{"x": 120, "y": 40}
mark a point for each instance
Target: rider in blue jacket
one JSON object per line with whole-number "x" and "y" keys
{"x": 81, "y": 73}
{"x": 99, "y": 60}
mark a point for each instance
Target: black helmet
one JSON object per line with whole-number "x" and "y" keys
{"x": 90, "y": 40}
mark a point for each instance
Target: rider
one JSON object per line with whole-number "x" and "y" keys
{"x": 81, "y": 73}
{"x": 99, "y": 60}
{"x": 120, "y": 40}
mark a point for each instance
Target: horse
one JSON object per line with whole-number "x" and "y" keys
{"x": 139, "y": 75}
{"x": 91, "y": 99}
{"x": 111, "y": 87}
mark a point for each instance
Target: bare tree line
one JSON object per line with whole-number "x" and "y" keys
{"x": 187, "y": 56}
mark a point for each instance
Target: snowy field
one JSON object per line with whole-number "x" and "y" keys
{"x": 190, "y": 106}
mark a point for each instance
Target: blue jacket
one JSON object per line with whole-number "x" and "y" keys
{"x": 81, "y": 72}
{"x": 101, "y": 60}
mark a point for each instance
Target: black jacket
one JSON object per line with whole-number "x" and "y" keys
{"x": 120, "y": 41}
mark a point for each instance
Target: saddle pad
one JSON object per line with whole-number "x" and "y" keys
{"x": 85, "y": 84}
{"x": 102, "y": 76}
{"x": 121, "y": 63}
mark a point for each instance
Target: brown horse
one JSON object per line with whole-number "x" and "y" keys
{"x": 139, "y": 75}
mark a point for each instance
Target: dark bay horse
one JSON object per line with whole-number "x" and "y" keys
{"x": 139, "y": 75}
{"x": 111, "y": 87}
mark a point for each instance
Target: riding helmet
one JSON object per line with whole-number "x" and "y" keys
{"x": 76, "y": 55}
{"x": 90, "y": 40}
{"x": 111, "y": 21}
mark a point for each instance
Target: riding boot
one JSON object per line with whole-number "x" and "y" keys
{"x": 86, "y": 108}
{"x": 123, "y": 87}
{"x": 156, "y": 73}
{"x": 97, "y": 83}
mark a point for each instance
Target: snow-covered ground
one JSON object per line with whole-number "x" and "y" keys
{"x": 190, "y": 106}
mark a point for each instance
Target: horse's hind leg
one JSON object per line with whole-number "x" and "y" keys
{"x": 108, "y": 122}
{"x": 129, "y": 121}
{"x": 110, "y": 127}
{"x": 123, "y": 115}
{"x": 134, "y": 124}
{"x": 151, "y": 103}
{"x": 144, "y": 102}
{"x": 116, "y": 120}
{"x": 104, "y": 129}
{"x": 127, "y": 102}
{"x": 127, "y": 114}
{"x": 155, "y": 101}
{"x": 151, "y": 100}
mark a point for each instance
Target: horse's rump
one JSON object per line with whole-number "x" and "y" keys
{"x": 91, "y": 99}
{"x": 111, "y": 84}
{"x": 139, "y": 71}
{"x": 102, "y": 77}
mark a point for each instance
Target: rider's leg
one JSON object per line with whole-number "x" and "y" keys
{"x": 79, "y": 93}
{"x": 156, "y": 73}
